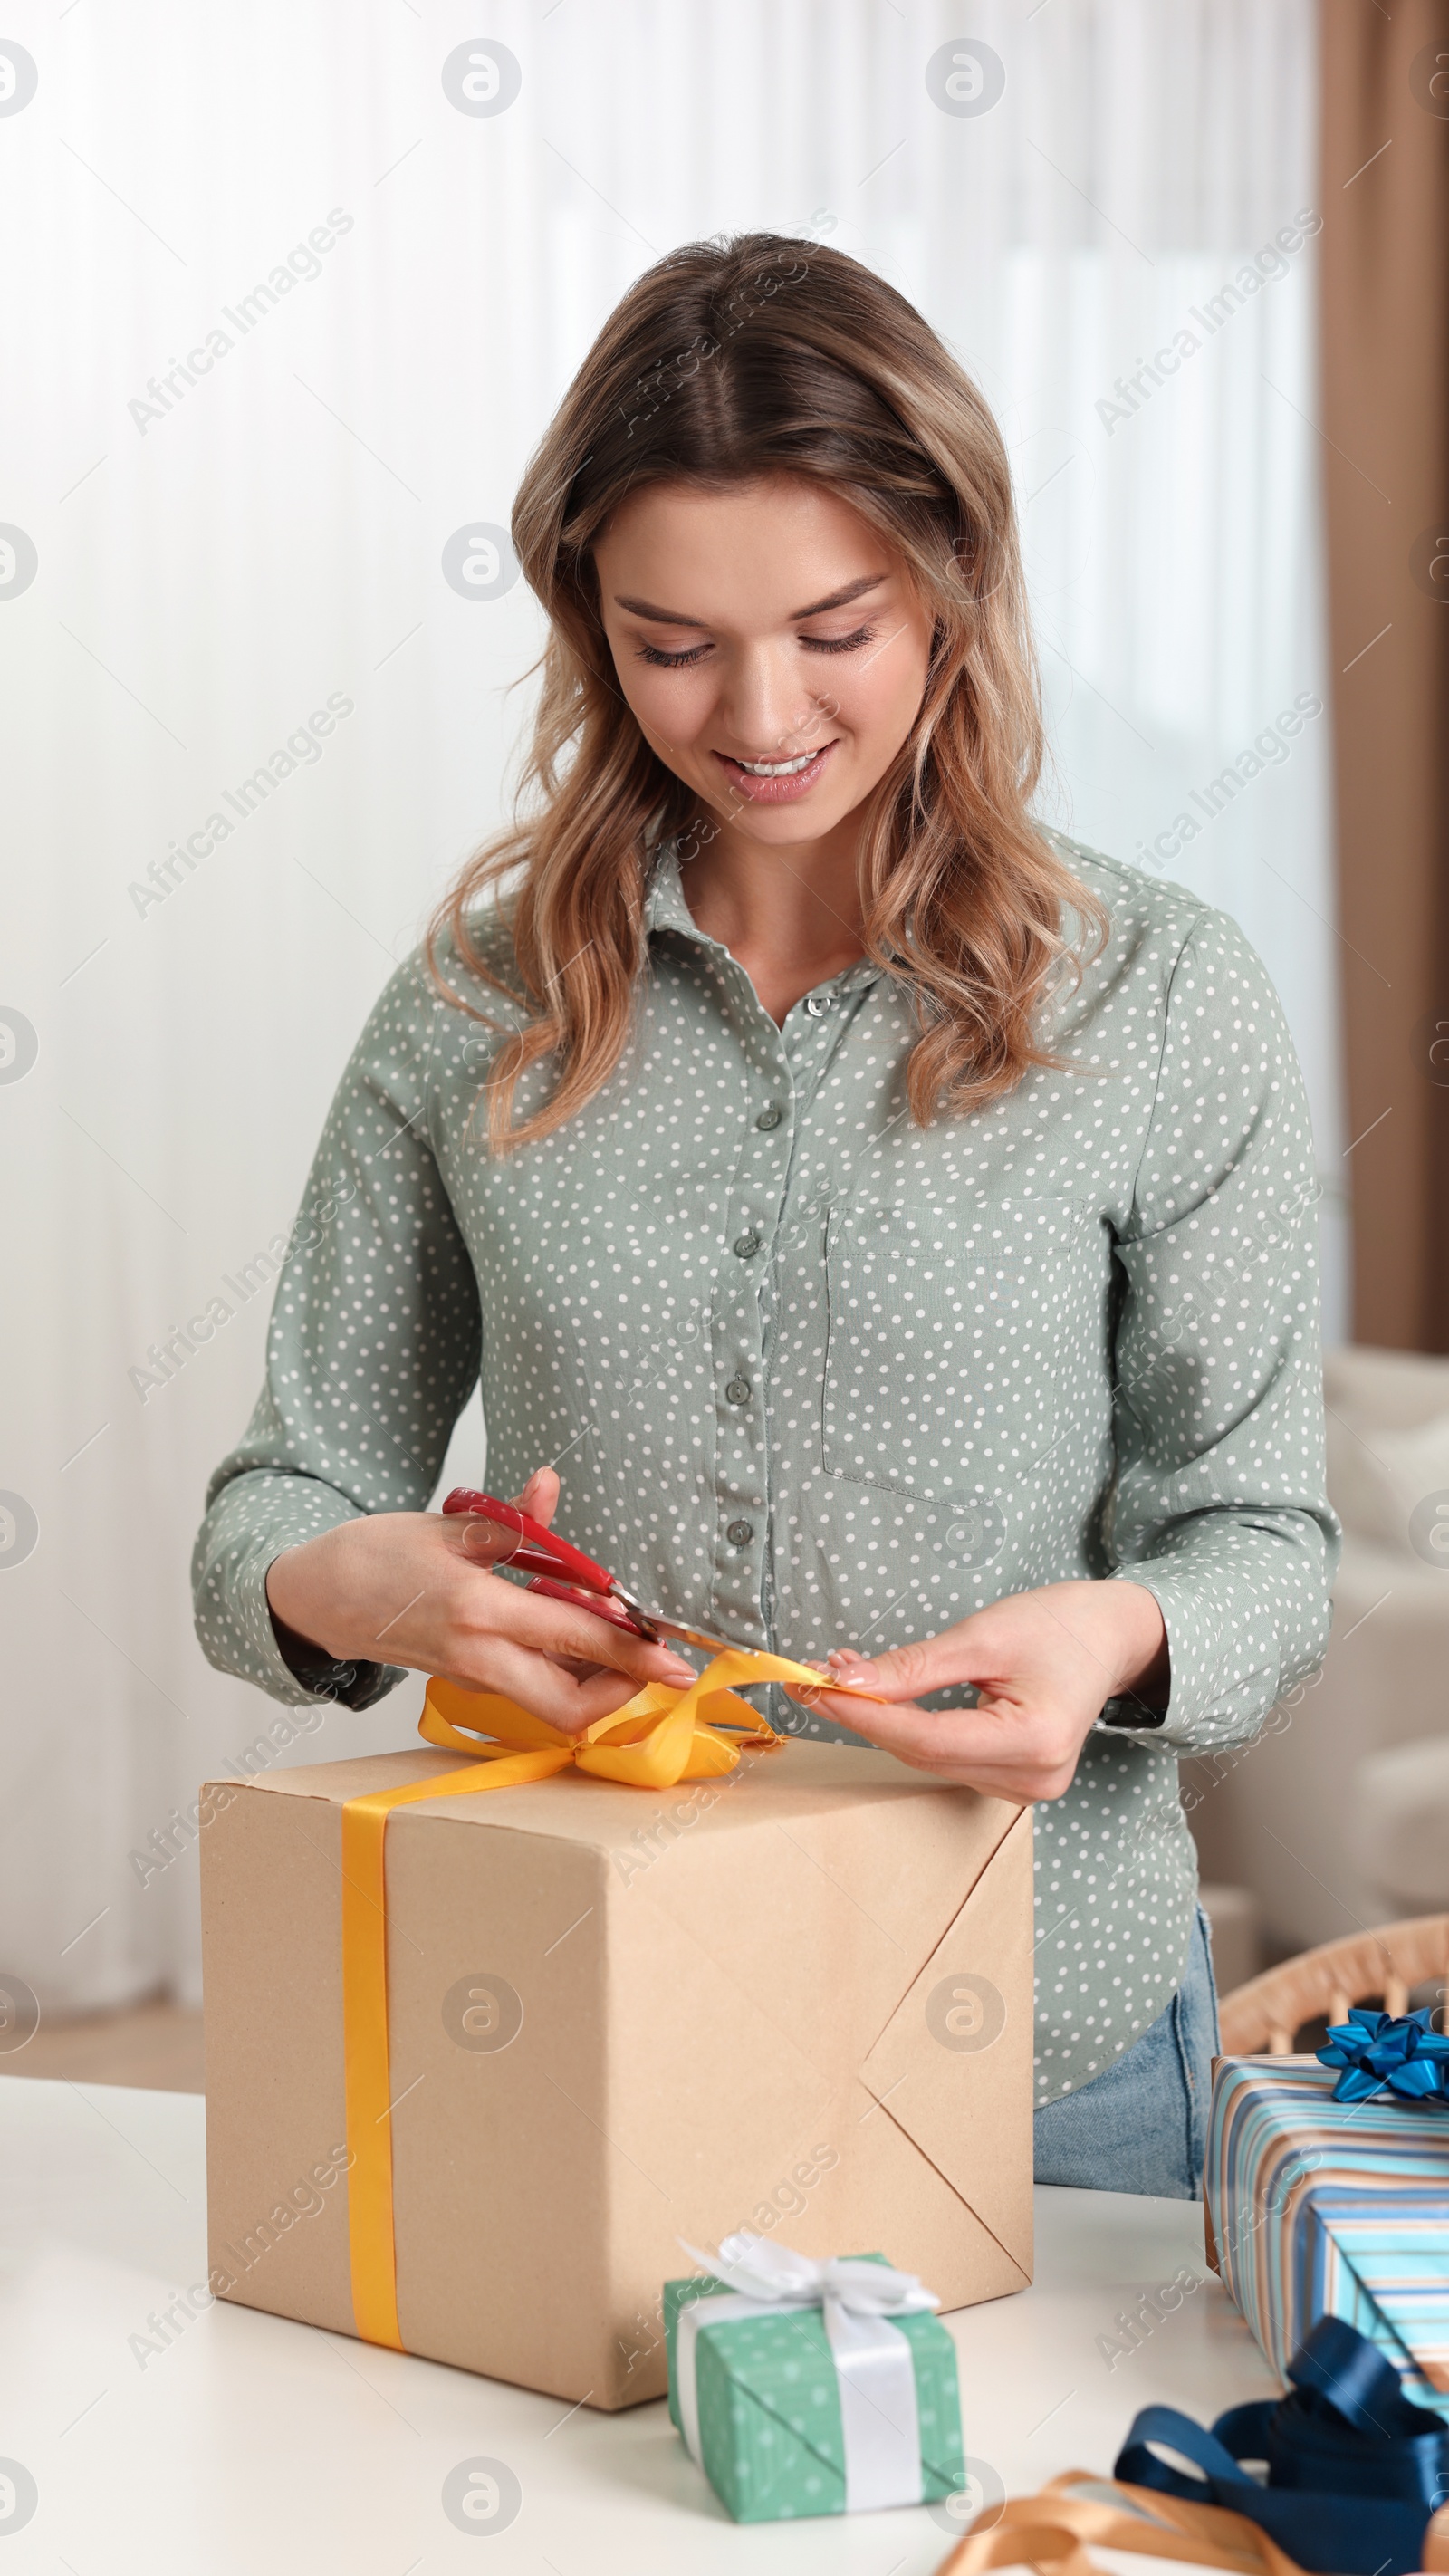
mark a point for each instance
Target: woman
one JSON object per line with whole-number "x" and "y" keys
{"x": 892, "y": 1221}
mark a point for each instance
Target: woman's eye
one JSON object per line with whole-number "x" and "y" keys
{"x": 839, "y": 643}
{"x": 812, "y": 643}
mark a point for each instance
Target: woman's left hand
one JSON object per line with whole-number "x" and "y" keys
{"x": 1043, "y": 1664}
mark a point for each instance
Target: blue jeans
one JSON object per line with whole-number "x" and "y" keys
{"x": 1142, "y": 2126}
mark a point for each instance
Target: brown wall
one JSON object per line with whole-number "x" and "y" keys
{"x": 1384, "y": 194}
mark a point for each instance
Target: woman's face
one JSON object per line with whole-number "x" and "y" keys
{"x": 769, "y": 645}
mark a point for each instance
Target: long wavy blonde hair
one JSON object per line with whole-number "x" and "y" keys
{"x": 727, "y": 362}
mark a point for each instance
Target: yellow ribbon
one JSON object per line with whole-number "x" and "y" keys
{"x": 663, "y": 1736}
{"x": 1056, "y": 2532}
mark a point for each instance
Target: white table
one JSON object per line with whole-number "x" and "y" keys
{"x": 252, "y": 2447}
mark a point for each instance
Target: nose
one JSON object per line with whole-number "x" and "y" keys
{"x": 765, "y": 712}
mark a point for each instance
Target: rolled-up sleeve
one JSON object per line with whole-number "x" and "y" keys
{"x": 372, "y": 1351}
{"x": 1219, "y": 1506}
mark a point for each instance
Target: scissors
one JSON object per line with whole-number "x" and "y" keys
{"x": 566, "y": 1574}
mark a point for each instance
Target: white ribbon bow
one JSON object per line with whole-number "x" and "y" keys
{"x": 874, "y": 2368}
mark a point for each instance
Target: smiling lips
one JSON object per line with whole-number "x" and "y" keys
{"x": 776, "y": 782}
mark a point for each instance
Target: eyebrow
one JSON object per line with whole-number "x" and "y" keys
{"x": 817, "y": 608}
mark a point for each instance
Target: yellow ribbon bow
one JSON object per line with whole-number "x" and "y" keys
{"x": 662, "y": 1736}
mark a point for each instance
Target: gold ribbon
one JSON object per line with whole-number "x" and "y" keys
{"x": 1056, "y": 2531}
{"x": 663, "y": 1736}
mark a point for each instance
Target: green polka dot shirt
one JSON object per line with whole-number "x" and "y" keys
{"x": 815, "y": 1376}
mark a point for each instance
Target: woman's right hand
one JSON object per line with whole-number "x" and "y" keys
{"x": 416, "y": 1588}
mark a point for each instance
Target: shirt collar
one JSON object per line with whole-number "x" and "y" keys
{"x": 665, "y": 909}
{"x": 664, "y": 904}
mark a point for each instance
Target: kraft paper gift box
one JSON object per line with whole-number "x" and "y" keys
{"x": 796, "y": 1996}
{"x": 1321, "y": 2208}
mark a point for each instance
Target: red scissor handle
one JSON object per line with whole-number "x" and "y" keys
{"x": 540, "y": 1550}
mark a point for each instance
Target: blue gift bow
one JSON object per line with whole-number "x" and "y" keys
{"x": 1368, "y": 2466}
{"x": 1400, "y": 2052}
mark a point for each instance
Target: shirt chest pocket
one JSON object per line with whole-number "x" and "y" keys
{"x": 946, "y": 1342}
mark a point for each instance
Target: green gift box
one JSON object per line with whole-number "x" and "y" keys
{"x": 783, "y": 2416}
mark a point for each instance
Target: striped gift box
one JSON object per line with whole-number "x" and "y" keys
{"x": 1321, "y": 2208}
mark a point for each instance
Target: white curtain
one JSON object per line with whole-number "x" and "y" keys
{"x": 211, "y": 559}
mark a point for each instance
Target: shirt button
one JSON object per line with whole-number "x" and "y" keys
{"x": 747, "y": 1245}
{"x": 769, "y": 1118}
{"x": 740, "y": 1533}
{"x": 816, "y": 1008}
{"x": 738, "y": 1390}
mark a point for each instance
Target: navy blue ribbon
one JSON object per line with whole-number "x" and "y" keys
{"x": 1382, "y": 2052}
{"x": 1354, "y": 2469}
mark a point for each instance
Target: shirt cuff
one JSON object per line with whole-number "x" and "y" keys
{"x": 294, "y": 1670}
{"x": 326, "y": 1676}
{"x": 1224, "y": 1654}
{"x": 1125, "y": 1709}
